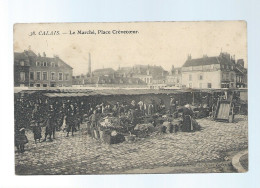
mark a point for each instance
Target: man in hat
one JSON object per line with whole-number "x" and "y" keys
{"x": 71, "y": 115}
{"x": 50, "y": 124}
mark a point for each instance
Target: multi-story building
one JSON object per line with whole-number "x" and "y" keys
{"x": 150, "y": 74}
{"x": 175, "y": 77}
{"x": 44, "y": 71}
{"x": 241, "y": 74}
{"x": 21, "y": 70}
{"x": 210, "y": 72}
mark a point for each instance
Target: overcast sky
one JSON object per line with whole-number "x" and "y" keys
{"x": 157, "y": 43}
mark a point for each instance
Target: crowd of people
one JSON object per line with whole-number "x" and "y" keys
{"x": 67, "y": 115}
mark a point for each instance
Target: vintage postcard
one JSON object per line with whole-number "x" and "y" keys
{"x": 130, "y": 98}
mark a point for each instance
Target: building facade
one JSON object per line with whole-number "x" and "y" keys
{"x": 241, "y": 74}
{"x": 21, "y": 70}
{"x": 210, "y": 72}
{"x": 175, "y": 77}
{"x": 43, "y": 72}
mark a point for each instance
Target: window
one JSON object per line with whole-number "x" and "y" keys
{"x": 60, "y": 85}
{"x": 52, "y": 64}
{"x": 52, "y": 85}
{"x": 38, "y": 64}
{"x": 38, "y": 85}
{"x": 52, "y": 76}
{"x": 31, "y": 85}
{"x": 190, "y": 77}
{"x": 200, "y": 77}
{"x": 22, "y": 76}
{"x": 209, "y": 85}
{"x": 44, "y": 75}
{"x": 44, "y": 85}
{"x": 31, "y": 75}
{"x": 38, "y": 75}
{"x": 60, "y": 76}
{"x": 22, "y": 63}
{"x": 45, "y": 64}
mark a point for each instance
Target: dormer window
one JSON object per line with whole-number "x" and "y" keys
{"x": 38, "y": 64}
{"x": 45, "y": 64}
{"x": 52, "y": 64}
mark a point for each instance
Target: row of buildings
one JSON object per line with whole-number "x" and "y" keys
{"x": 223, "y": 71}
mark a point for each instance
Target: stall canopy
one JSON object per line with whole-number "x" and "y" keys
{"x": 107, "y": 92}
{"x": 113, "y": 92}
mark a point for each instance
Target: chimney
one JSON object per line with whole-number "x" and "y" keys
{"x": 189, "y": 56}
{"x": 89, "y": 63}
{"x": 172, "y": 69}
{"x": 39, "y": 55}
{"x": 241, "y": 62}
{"x": 55, "y": 56}
{"x": 44, "y": 54}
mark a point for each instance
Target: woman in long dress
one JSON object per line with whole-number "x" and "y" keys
{"x": 187, "y": 119}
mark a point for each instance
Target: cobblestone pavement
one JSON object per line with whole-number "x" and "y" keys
{"x": 83, "y": 155}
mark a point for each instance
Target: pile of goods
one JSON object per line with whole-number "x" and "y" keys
{"x": 114, "y": 130}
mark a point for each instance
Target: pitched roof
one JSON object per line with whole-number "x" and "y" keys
{"x": 31, "y": 57}
{"x": 18, "y": 57}
{"x": 222, "y": 59}
{"x": 103, "y": 71}
{"x": 201, "y": 61}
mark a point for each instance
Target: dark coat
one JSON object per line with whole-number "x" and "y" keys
{"x": 20, "y": 139}
{"x": 37, "y": 132}
{"x": 187, "y": 119}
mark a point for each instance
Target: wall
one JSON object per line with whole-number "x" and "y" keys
{"x": 213, "y": 77}
{"x": 17, "y": 81}
{"x": 49, "y": 70}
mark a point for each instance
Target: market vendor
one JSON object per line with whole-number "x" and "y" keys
{"x": 134, "y": 118}
{"x": 141, "y": 107}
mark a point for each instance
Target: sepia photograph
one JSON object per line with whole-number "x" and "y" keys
{"x": 130, "y": 98}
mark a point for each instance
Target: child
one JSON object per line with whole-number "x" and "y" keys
{"x": 37, "y": 132}
{"x": 21, "y": 140}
